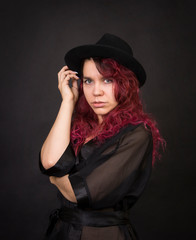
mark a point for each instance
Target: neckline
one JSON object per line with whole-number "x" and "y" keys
{"x": 89, "y": 141}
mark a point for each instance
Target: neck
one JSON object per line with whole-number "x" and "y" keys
{"x": 100, "y": 119}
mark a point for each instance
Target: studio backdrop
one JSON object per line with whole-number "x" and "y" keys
{"x": 35, "y": 35}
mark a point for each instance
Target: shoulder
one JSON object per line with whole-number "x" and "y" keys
{"x": 128, "y": 137}
{"x": 140, "y": 133}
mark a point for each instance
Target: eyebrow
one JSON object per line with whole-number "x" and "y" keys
{"x": 85, "y": 77}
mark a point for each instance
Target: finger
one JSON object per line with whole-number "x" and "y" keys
{"x": 68, "y": 77}
{"x": 63, "y": 69}
{"x": 70, "y": 74}
{"x": 64, "y": 74}
{"x": 75, "y": 83}
{"x": 66, "y": 69}
{"x": 75, "y": 91}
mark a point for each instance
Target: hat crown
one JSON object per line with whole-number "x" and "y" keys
{"x": 116, "y": 42}
{"x": 108, "y": 46}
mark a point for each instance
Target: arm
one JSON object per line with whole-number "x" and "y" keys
{"x": 59, "y": 136}
{"x": 107, "y": 179}
{"x": 127, "y": 171}
{"x": 64, "y": 186}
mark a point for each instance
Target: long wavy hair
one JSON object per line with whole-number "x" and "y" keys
{"x": 128, "y": 111}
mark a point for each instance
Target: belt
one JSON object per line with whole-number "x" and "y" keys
{"x": 93, "y": 218}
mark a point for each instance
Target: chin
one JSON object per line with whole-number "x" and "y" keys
{"x": 100, "y": 111}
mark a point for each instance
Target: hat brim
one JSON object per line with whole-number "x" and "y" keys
{"x": 75, "y": 57}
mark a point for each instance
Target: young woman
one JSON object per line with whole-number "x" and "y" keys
{"x": 100, "y": 150}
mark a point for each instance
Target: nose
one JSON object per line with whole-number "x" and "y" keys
{"x": 97, "y": 90}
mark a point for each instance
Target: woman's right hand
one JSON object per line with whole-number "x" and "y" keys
{"x": 67, "y": 93}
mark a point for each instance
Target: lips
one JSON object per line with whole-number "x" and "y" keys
{"x": 98, "y": 104}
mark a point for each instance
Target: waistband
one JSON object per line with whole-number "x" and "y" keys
{"x": 93, "y": 218}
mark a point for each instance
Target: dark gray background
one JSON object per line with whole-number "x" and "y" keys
{"x": 34, "y": 39}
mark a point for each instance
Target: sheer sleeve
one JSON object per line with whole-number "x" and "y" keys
{"x": 122, "y": 170}
{"x": 63, "y": 166}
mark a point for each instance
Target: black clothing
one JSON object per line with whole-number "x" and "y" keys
{"x": 107, "y": 180}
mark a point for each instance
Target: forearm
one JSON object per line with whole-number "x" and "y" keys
{"x": 64, "y": 186}
{"x": 59, "y": 136}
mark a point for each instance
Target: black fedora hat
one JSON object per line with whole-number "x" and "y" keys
{"x": 109, "y": 46}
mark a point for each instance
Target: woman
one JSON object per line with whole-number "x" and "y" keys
{"x": 101, "y": 148}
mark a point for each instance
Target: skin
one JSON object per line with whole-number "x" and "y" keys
{"x": 59, "y": 135}
{"x": 99, "y": 93}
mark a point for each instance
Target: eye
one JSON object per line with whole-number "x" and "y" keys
{"x": 87, "y": 81}
{"x": 108, "y": 80}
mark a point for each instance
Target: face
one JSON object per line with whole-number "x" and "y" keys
{"x": 98, "y": 91}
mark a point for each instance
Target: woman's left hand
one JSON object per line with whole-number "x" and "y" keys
{"x": 64, "y": 186}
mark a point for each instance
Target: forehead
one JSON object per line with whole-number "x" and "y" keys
{"x": 90, "y": 69}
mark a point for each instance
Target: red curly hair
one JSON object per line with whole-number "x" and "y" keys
{"x": 128, "y": 111}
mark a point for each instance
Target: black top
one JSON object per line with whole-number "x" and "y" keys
{"x": 107, "y": 177}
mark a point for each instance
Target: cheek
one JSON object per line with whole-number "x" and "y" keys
{"x": 111, "y": 93}
{"x": 86, "y": 93}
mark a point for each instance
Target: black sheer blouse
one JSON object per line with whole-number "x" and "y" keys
{"x": 105, "y": 178}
